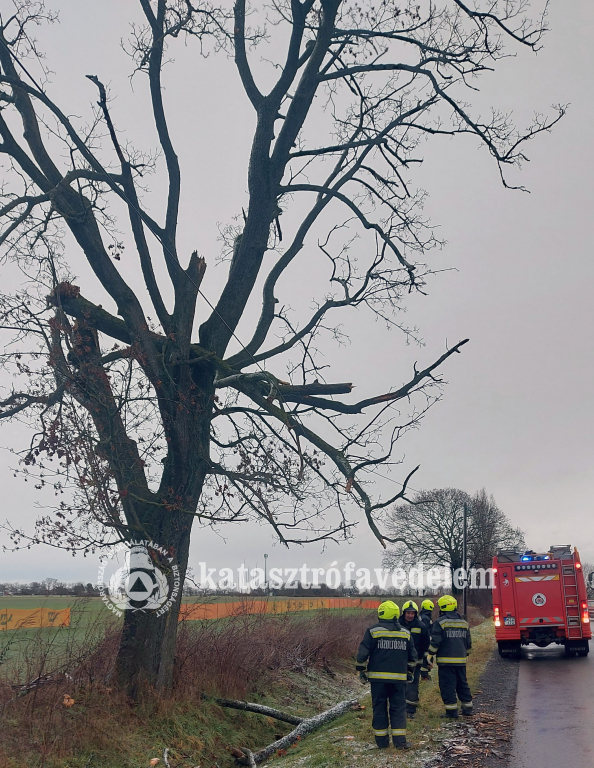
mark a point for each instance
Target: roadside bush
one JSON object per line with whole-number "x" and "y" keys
{"x": 242, "y": 654}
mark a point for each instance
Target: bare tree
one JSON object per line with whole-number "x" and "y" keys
{"x": 430, "y": 529}
{"x": 149, "y": 425}
{"x": 490, "y": 531}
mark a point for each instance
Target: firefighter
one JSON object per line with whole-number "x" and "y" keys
{"x": 451, "y": 642}
{"x": 421, "y": 639}
{"x": 426, "y": 616}
{"x": 389, "y": 653}
{"x": 426, "y": 613}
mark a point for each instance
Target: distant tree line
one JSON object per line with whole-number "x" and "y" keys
{"x": 49, "y": 588}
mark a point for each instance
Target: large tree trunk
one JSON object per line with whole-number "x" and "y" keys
{"x": 146, "y": 653}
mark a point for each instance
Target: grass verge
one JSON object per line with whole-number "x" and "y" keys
{"x": 299, "y": 664}
{"x": 349, "y": 741}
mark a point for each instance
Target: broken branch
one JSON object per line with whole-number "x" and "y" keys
{"x": 306, "y": 727}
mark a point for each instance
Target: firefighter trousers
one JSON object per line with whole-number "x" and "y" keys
{"x": 412, "y": 692}
{"x": 389, "y": 710}
{"x": 453, "y": 685}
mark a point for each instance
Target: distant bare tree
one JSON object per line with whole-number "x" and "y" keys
{"x": 430, "y": 528}
{"x": 490, "y": 531}
{"x": 156, "y": 424}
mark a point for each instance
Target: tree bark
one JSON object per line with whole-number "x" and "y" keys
{"x": 146, "y": 654}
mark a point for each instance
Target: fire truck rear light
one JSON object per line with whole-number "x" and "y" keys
{"x": 494, "y": 570}
{"x": 585, "y": 618}
{"x": 578, "y": 565}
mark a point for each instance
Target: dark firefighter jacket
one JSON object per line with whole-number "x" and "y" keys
{"x": 388, "y": 650}
{"x": 420, "y": 635}
{"x": 426, "y": 617}
{"x": 450, "y": 639}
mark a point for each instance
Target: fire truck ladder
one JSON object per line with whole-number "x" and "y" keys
{"x": 570, "y": 599}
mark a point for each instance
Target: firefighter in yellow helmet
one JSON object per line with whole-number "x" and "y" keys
{"x": 426, "y": 613}
{"x": 420, "y": 635}
{"x": 388, "y": 652}
{"x": 451, "y": 644}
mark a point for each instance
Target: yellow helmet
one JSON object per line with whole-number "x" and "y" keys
{"x": 388, "y": 610}
{"x": 410, "y": 606}
{"x": 427, "y": 605}
{"x": 447, "y": 603}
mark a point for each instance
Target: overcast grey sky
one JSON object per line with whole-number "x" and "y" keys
{"x": 517, "y": 414}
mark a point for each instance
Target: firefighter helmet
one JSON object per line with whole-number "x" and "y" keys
{"x": 388, "y": 610}
{"x": 447, "y": 603}
{"x": 427, "y": 605}
{"x": 410, "y": 605}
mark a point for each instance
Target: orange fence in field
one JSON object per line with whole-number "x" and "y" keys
{"x": 32, "y": 618}
{"x": 199, "y": 611}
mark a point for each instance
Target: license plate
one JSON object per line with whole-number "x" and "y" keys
{"x": 509, "y": 621}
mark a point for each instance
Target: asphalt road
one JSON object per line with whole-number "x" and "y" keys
{"x": 554, "y": 710}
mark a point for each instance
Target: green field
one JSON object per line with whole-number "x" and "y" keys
{"x": 27, "y": 649}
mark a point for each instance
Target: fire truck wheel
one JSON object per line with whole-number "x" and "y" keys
{"x": 577, "y": 648}
{"x": 509, "y": 649}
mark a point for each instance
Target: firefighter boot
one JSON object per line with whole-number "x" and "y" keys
{"x": 400, "y": 742}
{"x": 382, "y": 742}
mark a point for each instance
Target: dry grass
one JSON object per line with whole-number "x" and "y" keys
{"x": 301, "y": 663}
{"x": 245, "y": 653}
{"x": 259, "y": 657}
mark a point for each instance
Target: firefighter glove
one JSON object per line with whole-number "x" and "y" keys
{"x": 428, "y": 661}
{"x": 410, "y": 676}
{"x": 363, "y": 676}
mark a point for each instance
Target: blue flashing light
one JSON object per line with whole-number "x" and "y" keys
{"x": 525, "y": 558}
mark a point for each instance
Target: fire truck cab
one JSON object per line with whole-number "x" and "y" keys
{"x": 540, "y": 599}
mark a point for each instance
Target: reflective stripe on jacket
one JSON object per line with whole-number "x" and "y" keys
{"x": 450, "y": 639}
{"x": 388, "y": 650}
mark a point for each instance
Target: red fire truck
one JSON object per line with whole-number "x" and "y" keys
{"x": 540, "y": 599}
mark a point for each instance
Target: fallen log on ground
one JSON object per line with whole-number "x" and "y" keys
{"x": 250, "y": 757}
{"x": 259, "y": 709}
{"x": 304, "y": 728}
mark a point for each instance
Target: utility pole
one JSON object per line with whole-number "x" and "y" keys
{"x": 266, "y": 574}
{"x": 464, "y": 559}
